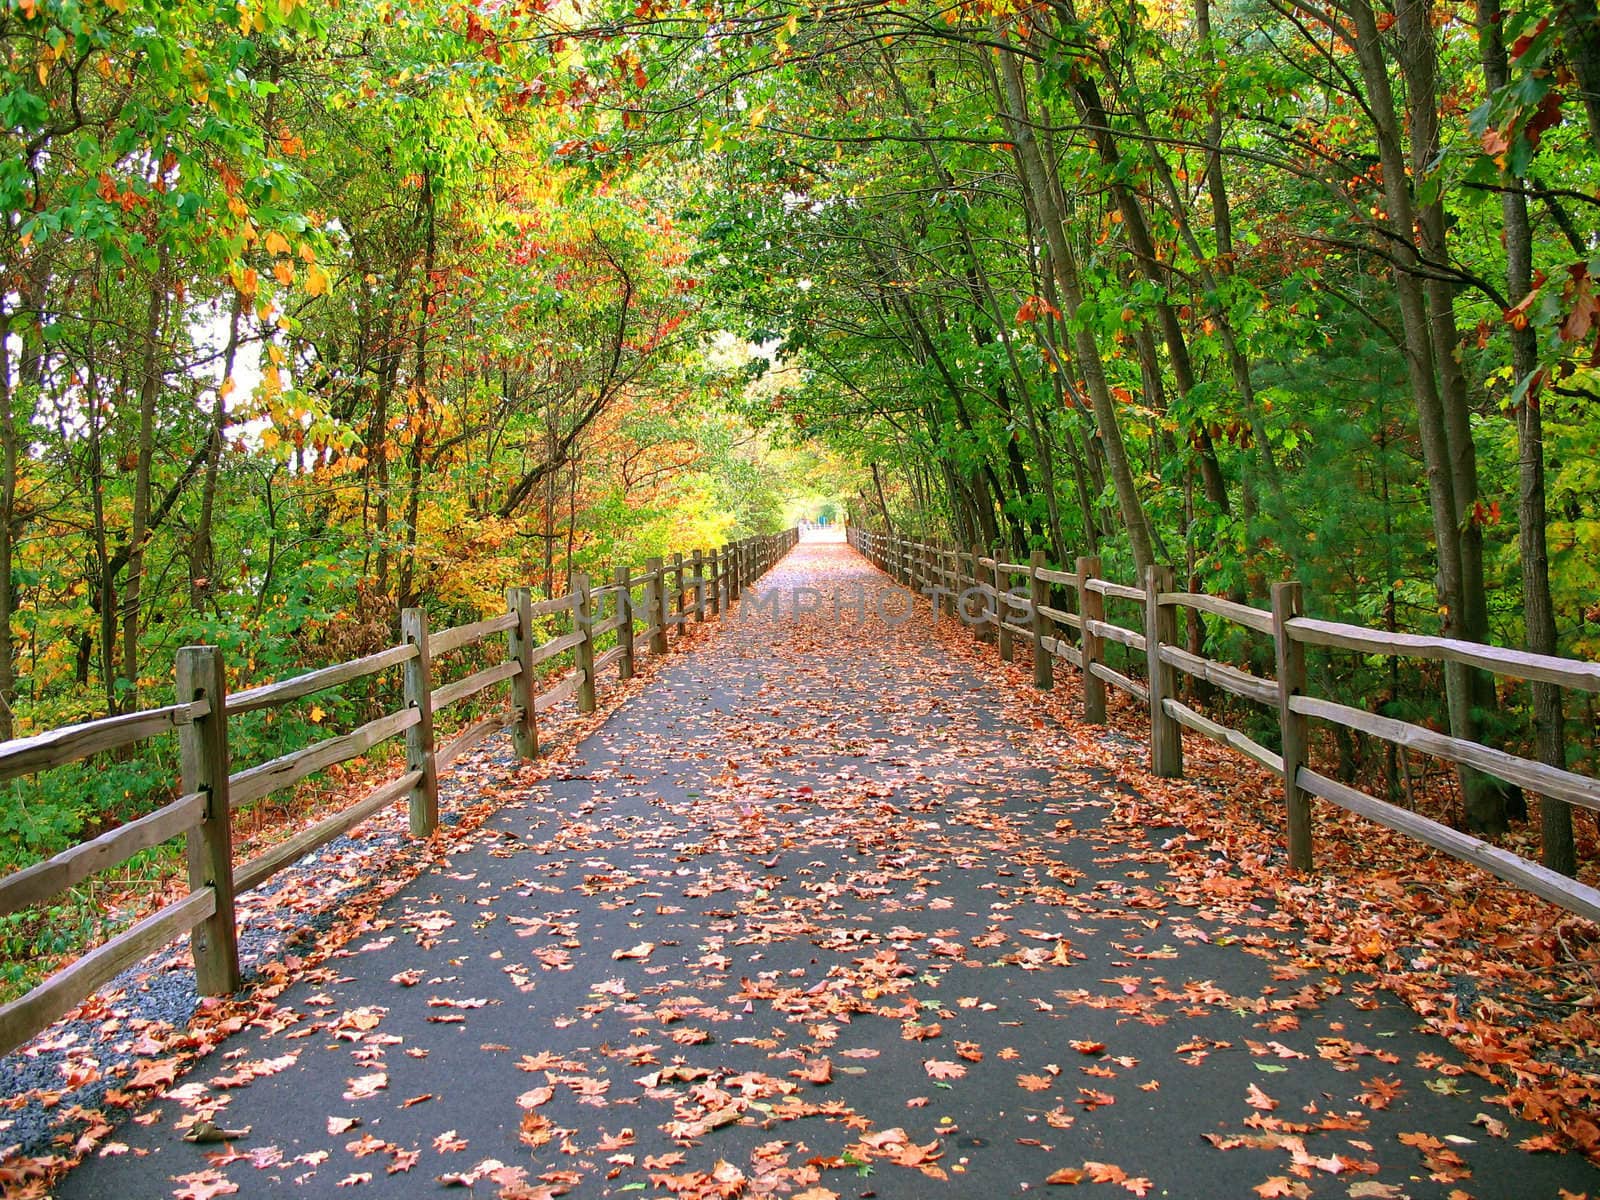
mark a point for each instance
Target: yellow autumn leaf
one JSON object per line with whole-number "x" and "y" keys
{"x": 317, "y": 714}
{"x": 316, "y": 280}
{"x": 276, "y": 243}
{"x": 284, "y": 273}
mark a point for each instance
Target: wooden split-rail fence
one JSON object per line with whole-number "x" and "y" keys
{"x": 684, "y": 589}
{"x": 1010, "y": 601}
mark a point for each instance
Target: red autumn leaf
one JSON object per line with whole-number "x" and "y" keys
{"x": 1280, "y": 1185}
{"x": 1102, "y": 1172}
{"x": 817, "y": 1071}
{"x": 1259, "y": 1099}
{"x": 203, "y": 1185}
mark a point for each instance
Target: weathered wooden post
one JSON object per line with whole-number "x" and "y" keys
{"x": 1044, "y": 675}
{"x": 583, "y": 652}
{"x": 419, "y": 738}
{"x": 950, "y": 562}
{"x": 677, "y": 588}
{"x": 714, "y": 563}
{"x": 203, "y": 751}
{"x": 735, "y": 570}
{"x": 1161, "y": 629}
{"x": 1092, "y": 610}
{"x": 980, "y": 630}
{"x": 625, "y": 614}
{"x": 698, "y": 584}
{"x": 1002, "y": 606}
{"x": 524, "y": 687}
{"x": 1287, "y": 603}
{"x": 655, "y": 604}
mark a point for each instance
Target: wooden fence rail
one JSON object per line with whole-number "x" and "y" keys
{"x": 981, "y": 586}
{"x": 212, "y": 790}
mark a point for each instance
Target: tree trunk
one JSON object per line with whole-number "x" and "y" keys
{"x": 1145, "y": 257}
{"x": 8, "y": 528}
{"x": 202, "y": 551}
{"x": 1484, "y": 812}
{"x": 420, "y": 404}
{"x": 1538, "y": 608}
{"x": 150, "y": 381}
{"x": 1580, "y": 38}
{"x": 1064, "y": 262}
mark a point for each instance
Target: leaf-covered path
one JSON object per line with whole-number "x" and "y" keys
{"x": 824, "y": 912}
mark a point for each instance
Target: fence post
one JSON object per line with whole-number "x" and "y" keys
{"x": 583, "y": 652}
{"x": 624, "y": 630}
{"x": 735, "y": 567}
{"x": 1091, "y": 608}
{"x": 419, "y": 738}
{"x": 980, "y": 631}
{"x": 1287, "y": 603}
{"x": 655, "y": 604}
{"x": 1044, "y": 673}
{"x": 950, "y": 564}
{"x": 677, "y": 591}
{"x": 1161, "y": 629}
{"x": 698, "y": 584}
{"x": 519, "y": 649}
{"x": 714, "y": 563}
{"x": 1002, "y": 605}
{"x": 203, "y": 751}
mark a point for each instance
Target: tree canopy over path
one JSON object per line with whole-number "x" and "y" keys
{"x": 315, "y": 313}
{"x": 309, "y": 312}
{"x": 799, "y": 921}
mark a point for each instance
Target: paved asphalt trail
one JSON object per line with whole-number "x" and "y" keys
{"x": 820, "y": 914}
